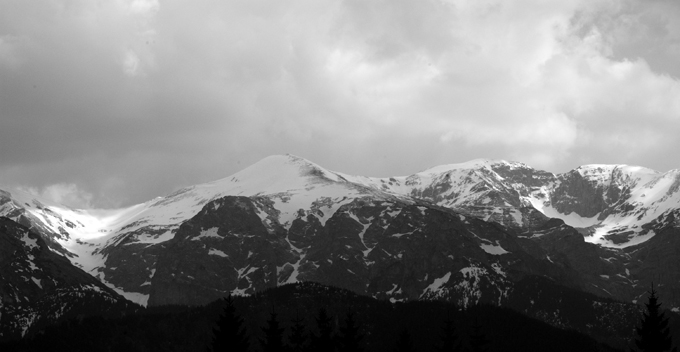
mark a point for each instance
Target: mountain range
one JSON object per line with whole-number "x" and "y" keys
{"x": 484, "y": 231}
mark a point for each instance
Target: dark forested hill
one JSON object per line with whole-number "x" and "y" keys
{"x": 379, "y": 322}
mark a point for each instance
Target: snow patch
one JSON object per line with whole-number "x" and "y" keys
{"x": 31, "y": 263}
{"x": 296, "y": 271}
{"x": 217, "y": 252}
{"x": 29, "y": 242}
{"x": 393, "y": 213}
{"x": 471, "y": 271}
{"x": 517, "y": 216}
{"x": 209, "y": 233}
{"x": 469, "y": 288}
{"x": 362, "y": 232}
{"x": 571, "y": 219}
{"x": 436, "y": 285}
{"x": 398, "y": 235}
{"x": 330, "y": 207}
{"x": 498, "y": 269}
{"x": 493, "y": 249}
{"x": 135, "y": 297}
{"x": 148, "y": 238}
{"x": 598, "y": 236}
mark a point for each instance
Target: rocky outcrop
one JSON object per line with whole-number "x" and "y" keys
{"x": 378, "y": 248}
{"x": 576, "y": 194}
{"x": 225, "y": 247}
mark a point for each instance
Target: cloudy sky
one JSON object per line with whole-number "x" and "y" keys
{"x": 110, "y": 103}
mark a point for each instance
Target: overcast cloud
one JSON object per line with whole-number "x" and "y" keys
{"x": 110, "y": 103}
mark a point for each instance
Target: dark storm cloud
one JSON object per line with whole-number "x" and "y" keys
{"x": 110, "y": 103}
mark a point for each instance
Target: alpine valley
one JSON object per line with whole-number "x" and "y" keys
{"x": 486, "y": 231}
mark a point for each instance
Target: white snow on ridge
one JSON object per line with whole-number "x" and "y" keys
{"x": 457, "y": 175}
{"x": 471, "y": 165}
{"x": 652, "y": 194}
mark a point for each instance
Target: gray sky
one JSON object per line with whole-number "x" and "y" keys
{"x": 109, "y": 103}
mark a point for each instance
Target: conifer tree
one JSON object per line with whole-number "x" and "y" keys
{"x": 478, "y": 340}
{"x": 324, "y": 341}
{"x": 229, "y": 334}
{"x": 449, "y": 338}
{"x": 299, "y": 338}
{"x": 653, "y": 334}
{"x": 350, "y": 337}
{"x": 273, "y": 332}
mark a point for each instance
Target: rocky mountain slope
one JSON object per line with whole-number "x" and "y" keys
{"x": 39, "y": 287}
{"x": 462, "y": 232}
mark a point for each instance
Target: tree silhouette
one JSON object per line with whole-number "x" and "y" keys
{"x": 273, "y": 332}
{"x": 404, "y": 342}
{"x": 478, "y": 340}
{"x": 298, "y": 340}
{"x": 449, "y": 338}
{"x": 229, "y": 334}
{"x": 350, "y": 338}
{"x": 653, "y": 334}
{"x": 324, "y": 341}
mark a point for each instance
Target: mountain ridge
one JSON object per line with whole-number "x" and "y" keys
{"x": 121, "y": 247}
{"x": 467, "y": 233}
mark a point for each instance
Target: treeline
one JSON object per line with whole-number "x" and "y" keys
{"x": 346, "y": 334}
{"x": 310, "y": 317}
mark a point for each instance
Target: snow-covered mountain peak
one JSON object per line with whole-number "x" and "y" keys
{"x": 475, "y": 164}
{"x": 616, "y": 173}
{"x": 277, "y": 173}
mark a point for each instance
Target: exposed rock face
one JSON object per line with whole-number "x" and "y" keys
{"x": 225, "y": 247}
{"x": 383, "y": 249}
{"x": 579, "y": 195}
{"x": 564, "y": 246}
{"x": 39, "y": 287}
{"x": 655, "y": 260}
